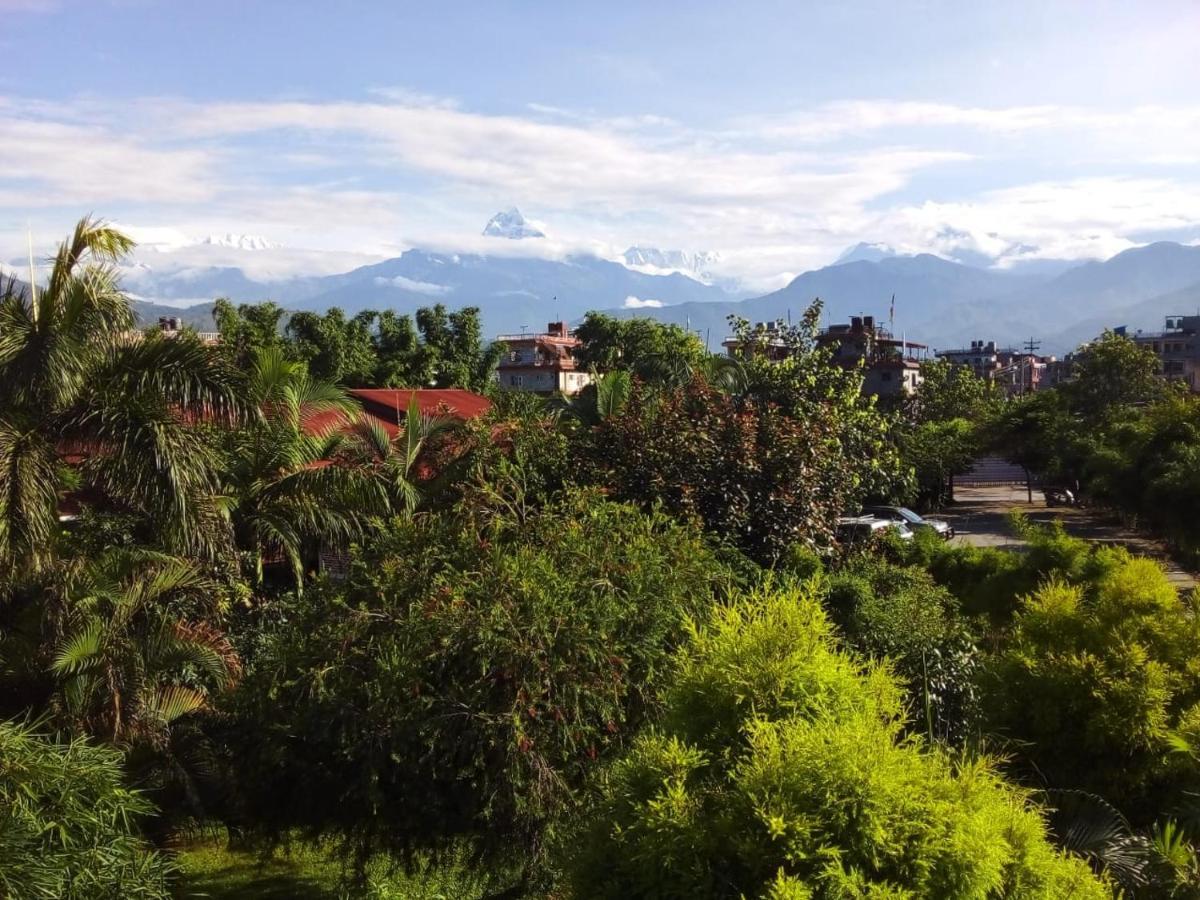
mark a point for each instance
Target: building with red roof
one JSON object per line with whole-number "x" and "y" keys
{"x": 542, "y": 363}
{"x": 389, "y": 406}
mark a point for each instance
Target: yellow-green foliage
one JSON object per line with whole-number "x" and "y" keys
{"x": 1096, "y": 677}
{"x": 781, "y": 772}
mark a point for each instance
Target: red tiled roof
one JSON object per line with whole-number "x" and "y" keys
{"x": 388, "y": 406}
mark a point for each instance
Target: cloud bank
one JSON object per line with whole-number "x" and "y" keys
{"x": 774, "y": 194}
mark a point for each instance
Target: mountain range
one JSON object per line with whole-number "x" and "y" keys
{"x": 940, "y": 302}
{"x": 946, "y": 304}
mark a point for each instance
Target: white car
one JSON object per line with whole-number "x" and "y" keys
{"x": 859, "y": 529}
{"x": 940, "y": 527}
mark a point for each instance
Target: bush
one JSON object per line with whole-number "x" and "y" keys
{"x": 885, "y": 610}
{"x": 1095, "y": 678}
{"x": 991, "y": 582}
{"x": 469, "y": 676}
{"x": 68, "y": 825}
{"x": 781, "y": 771}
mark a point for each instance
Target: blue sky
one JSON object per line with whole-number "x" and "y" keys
{"x": 776, "y": 133}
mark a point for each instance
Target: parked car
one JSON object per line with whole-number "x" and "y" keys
{"x": 1059, "y": 496}
{"x": 853, "y": 530}
{"x": 940, "y": 527}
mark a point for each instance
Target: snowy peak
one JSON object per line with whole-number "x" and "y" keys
{"x": 511, "y": 224}
{"x": 239, "y": 242}
{"x": 864, "y": 252}
{"x": 653, "y": 261}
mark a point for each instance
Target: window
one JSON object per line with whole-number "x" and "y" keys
{"x": 516, "y": 380}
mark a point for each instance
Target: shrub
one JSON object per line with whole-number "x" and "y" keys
{"x": 474, "y": 669}
{"x": 68, "y": 825}
{"x": 886, "y": 610}
{"x": 1094, "y": 679}
{"x": 781, "y": 771}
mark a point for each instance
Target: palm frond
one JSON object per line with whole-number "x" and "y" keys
{"x": 80, "y": 650}
{"x": 173, "y": 702}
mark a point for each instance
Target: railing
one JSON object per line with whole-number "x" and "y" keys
{"x": 529, "y": 335}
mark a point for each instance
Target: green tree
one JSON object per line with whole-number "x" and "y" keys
{"x": 472, "y": 672}
{"x": 68, "y": 827}
{"x": 949, "y": 391}
{"x": 753, "y": 475}
{"x": 286, "y": 487}
{"x": 1110, "y": 374}
{"x": 455, "y": 342}
{"x": 247, "y": 328}
{"x": 937, "y": 451}
{"x": 86, "y": 402}
{"x": 781, "y": 770}
{"x": 643, "y": 346}
{"x": 335, "y": 348}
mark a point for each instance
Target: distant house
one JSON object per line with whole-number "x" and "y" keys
{"x": 1013, "y": 371}
{"x": 1177, "y": 347}
{"x": 542, "y": 363}
{"x": 170, "y": 327}
{"x": 891, "y": 365}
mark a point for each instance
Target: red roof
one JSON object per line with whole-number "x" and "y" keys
{"x": 388, "y": 406}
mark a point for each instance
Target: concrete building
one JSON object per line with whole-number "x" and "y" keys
{"x": 1013, "y": 371}
{"x": 891, "y": 365}
{"x": 1177, "y": 347}
{"x": 542, "y": 363}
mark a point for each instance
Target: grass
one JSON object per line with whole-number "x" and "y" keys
{"x": 304, "y": 872}
{"x": 211, "y": 869}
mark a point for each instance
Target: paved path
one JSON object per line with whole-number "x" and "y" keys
{"x": 979, "y": 516}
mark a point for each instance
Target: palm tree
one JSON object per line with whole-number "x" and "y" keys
{"x": 87, "y": 402}
{"x": 286, "y": 485}
{"x": 394, "y": 459}
{"x": 606, "y": 396}
{"x": 137, "y": 651}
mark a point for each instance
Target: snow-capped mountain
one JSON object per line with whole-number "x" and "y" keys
{"x": 239, "y": 242}
{"x": 653, "y": 261}
{"x": 866, "y": 252}
{"x": 511, "y": 224}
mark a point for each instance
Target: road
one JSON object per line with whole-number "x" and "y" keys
{"x": 980, "y": 517}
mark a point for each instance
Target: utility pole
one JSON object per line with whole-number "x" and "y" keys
{"x": 1031, "y": 347}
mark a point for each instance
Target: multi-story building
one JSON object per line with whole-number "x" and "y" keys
{"x": 982, "y": 357}
{"x": 1177, "y": 347}
{"x": 1013, "y": 371}
{"x": 542, "y": 363}
{"x": 891, "y": 365}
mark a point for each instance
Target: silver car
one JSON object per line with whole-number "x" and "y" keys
{"x": 853, "y": 530}
{"x": 940, "y": 527}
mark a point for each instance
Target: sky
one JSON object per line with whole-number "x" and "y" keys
{"x": 775, "y": 133}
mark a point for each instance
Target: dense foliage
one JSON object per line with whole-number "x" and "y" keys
{"x": 780, "y": 771}
{"x": 371, "y": 349}
{"x": 592, "y": 646}
{"x": 68, "y": 827}
{"x": 468, "y": 676}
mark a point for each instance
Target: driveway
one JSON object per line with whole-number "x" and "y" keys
{"x": 979, "y": 516}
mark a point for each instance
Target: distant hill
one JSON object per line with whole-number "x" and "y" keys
{"x": 945, "y": 304}
{"x": 511, "y": 292}
{"x": 929, "y": 293}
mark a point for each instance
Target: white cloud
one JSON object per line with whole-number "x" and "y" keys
{"x": 419, "y": 287}
{"x": 775, "y": 194}
{"x": 632, "y": 302}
